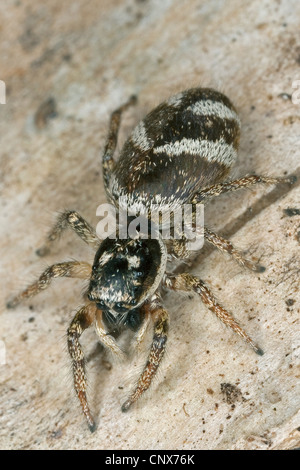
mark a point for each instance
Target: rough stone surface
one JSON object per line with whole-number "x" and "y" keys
{"x": 67, "y": 66}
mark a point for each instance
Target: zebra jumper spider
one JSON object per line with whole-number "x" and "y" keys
{"x": 181, "y": 152}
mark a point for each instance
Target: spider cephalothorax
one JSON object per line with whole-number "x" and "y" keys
{"x": 125, "y": 273}
{"x": 179, "y": 154}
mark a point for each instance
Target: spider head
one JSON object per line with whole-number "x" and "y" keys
{"x": 125, "y": 274}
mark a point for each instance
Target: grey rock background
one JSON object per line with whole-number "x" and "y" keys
{"x": 67, "y": 66}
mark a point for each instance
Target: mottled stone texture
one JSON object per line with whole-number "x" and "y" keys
{"x": 66, "y": 66}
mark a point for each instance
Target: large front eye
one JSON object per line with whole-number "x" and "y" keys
{"x": 100, "y": 304}
{"x": 119, "y": 307}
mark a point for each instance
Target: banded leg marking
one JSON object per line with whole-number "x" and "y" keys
{"x": 72, "y": 269}
{"x": 83, "y": 319}
{"x": 245, "y": 182}
{"x": 70, "y": 219}
{"x": 226, "y": 247}
{"x": 112, "y": 138}
{"x": 161, "y": 325}
{"x": 187, "y": 282}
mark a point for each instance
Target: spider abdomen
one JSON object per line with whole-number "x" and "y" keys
{"x": 187, "y": 143}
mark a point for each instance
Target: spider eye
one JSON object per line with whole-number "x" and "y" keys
{"x": 126, "y": 272}
{"x": 120, "y": 308}
{"x": 100, "y": 304}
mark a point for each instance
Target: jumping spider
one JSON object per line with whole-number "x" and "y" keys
{"x": 180, "y": 153}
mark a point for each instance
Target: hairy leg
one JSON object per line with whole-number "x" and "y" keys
{"x": 142, "y": 331}
{"x": 112, "y": 138}
{"x": 226, "y": 247}
{"x": 245, "y": 182}
{"x": 83, "y": 319}
{"x": 70, "y": 219}
{"x": 187, "y": 282}
{"x": 161, "y": 325}
{"x": 179, "y": 249}
{"x": 73, "y": 269}
{"x": 105, "y": 338}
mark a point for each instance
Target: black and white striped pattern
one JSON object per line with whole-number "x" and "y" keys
{"x": 218, "y": 151}
{"x": 185, "y": 144}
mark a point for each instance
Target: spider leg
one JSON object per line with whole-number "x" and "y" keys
{"x": 82, "y": 320}
{"x": 70, "y": 219}
{"x": 187, "y": 282}
{"x": 179, "y": 249}
{"x": 142, "y": 331}
{"x": 161, "y": 325}
{"x": 226, "y": 247}
{"x": 73, "y": 269}
{"x": 111, "y": 140}
{"x": 245, "y": 182}
{"x": 105, "y": 338}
